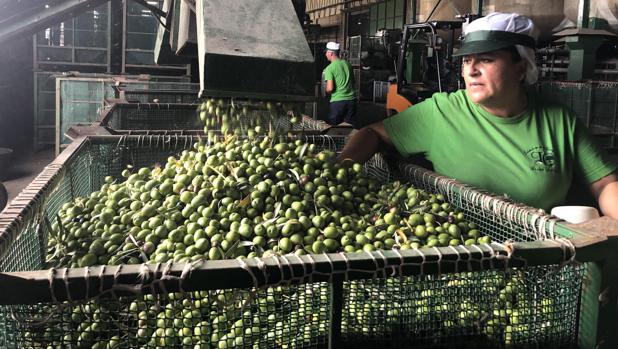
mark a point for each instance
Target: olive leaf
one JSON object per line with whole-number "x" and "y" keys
{"x": 399, "y": 233}
{"x": 296, "y": 175}
{"x": 245, "y": 243}
{"x": 141, "y": 251}
{"x": 245, "y": 201}
{"x": 302, "y": 151}
{"x": 230, "y": 251}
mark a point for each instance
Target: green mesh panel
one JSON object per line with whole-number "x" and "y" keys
{"x": 297, "y": 315}
{"x": 500, "y": 227}
{"x": 453, "y": 310}
{"x": 464, "y": 309}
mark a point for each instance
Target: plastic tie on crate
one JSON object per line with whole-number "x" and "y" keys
{"x": 86, "y": 279}
{"x": 115, "y": 278}
{"x": 401, "y": 261}
{"x": 483, "y": 258}
{"x": 293, "y": 278}
{"x": 281, "y": 273}
{"x": 101, "y": 273}
{"x": 509, "y": 248}
{"x": 350, "y": 269}
{"x": 35, "y": 322}
{"x": 458, "y": 260}
{"x": 332, "y": 267}
{"x": 375, "y": 262}
{"x": 164, "y": 276}
{"x": 568, "y": 254}
{"x": 50, "y": 277}
{"x": 385, "y": 260}
{"x": 439, "y": 261}
{"x": 121, "y": 142}
{"x": 246, "y": 267}
{"x": 470, "y": 259}
{"x": 65, "y": 279}
{"x": 542, "y": 228}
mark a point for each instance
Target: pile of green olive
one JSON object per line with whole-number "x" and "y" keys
{"x": 257, "y": 197}
{"x": 249, "y": 198}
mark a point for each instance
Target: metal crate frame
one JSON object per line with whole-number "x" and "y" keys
{"x": 109, "y": 87}
{"x": 27, "y": 209}
{"x": 122, "y": 117}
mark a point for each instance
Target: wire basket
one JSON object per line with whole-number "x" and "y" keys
{"x": 447, "y": 297}
{"x": 182, "y": 118}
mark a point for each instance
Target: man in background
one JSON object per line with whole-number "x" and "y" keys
{"x": 339, "y": 79}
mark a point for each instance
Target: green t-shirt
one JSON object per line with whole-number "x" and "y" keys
{"x": 532, "y": 158}
{"x": 340, "y": 71}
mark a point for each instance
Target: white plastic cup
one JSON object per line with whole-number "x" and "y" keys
{"x": 575, "y": 214}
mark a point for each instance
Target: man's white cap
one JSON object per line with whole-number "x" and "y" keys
{"x": 332, "y": 46}
{"x": 501, "y": 30}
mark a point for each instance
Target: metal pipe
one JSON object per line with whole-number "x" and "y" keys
{"x": 479, "y": 7}
{"x": 414, "y": 10}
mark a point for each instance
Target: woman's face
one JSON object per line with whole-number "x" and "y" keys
{"x": 492, "y": 76}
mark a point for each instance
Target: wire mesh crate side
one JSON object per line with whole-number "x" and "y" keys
{"x": 158, "y": 97}
{"x": 297, "y": 315}
{"x": 502, "y": 219}
{"x": 184, "y": 116}
{"x": 487, "y": 309}
{"x": 109, "y": 155}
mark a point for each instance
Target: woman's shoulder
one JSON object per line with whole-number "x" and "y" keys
{"x": 451, "y": 97}
{"x": 445, "y": 99}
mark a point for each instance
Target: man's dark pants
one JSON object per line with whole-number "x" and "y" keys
{"x": 342, "y": 111}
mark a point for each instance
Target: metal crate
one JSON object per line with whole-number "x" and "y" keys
{"x": 78, "y": 99}
{"x": 127, "y": 117}
{"x": 150, "y": 92}
{"x": 439, "y": 297}
{"x": 177, "y": 118}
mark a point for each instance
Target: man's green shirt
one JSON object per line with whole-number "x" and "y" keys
{"x": 532, "y": 158}
{"x": 340, "y": 71}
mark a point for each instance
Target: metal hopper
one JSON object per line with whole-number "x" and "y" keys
{"x": 253, "y": 49}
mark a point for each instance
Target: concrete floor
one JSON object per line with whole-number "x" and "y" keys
{"x": 24, "y": 168}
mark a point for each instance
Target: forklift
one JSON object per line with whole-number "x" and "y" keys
{"x": 425, "y": 64}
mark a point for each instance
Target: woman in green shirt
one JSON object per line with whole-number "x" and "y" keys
{"x": 495, "y": 134}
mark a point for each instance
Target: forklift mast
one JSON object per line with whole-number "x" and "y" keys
{"x": 424, "y": 63}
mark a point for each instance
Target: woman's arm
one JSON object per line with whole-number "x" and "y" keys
{"x": 605, "y": 191}
{"x": 364, "y": 143}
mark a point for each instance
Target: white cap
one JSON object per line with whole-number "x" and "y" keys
{"x": 514, "y": 23}
{"x": 332, "y": 46}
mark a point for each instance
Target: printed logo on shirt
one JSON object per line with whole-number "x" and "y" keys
{"x": 542, "y": 159}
